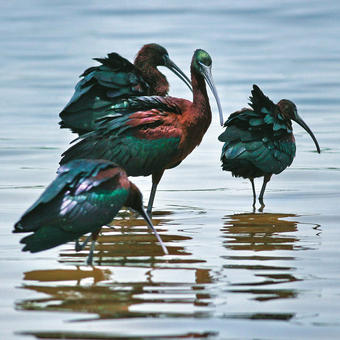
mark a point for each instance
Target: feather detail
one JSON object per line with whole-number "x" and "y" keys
{"x": 100, "y": 87}
{"x": 138, "y": 135}
{"x": 258, "y": 141}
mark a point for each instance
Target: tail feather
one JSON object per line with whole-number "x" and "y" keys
{"x": 76, "y": 151}
{"x": 47, "y": 238}
{"x": 19, "y": 228}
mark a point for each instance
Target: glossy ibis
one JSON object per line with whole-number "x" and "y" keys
{"x": 86, "y": 195}
{"x": 259, "y": 142}
{"x": 116, "y": 78}
{"x": 146, "y": 135}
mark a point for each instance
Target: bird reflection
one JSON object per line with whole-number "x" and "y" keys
{"x": 138, "y": 282}
{"x": 263, "y": 247}
{"x": 78, "y": 275}
{"x": 127, "y": 241}
{"x": 260, "y": 232}
{"x": 104, "y": 292}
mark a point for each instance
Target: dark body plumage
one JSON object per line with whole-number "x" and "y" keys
{"x": 115, "y": 79}
{"x": 86, "y": 195}
{"x": 259, "y": 142}
{"x": 146, "y": 135}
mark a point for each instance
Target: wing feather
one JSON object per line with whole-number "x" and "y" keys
{"x": 141, "y": 139}
{"x": 72, "y": 180}
{"x": 100, "y": 87}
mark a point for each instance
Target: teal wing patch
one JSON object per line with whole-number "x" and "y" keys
{"x": 100, "y": 87}
{"x": 263, "y": 116}
{"x": 71, "y": 183}
{"x": 135, "y": 136}
{"x": 265, "y": 155}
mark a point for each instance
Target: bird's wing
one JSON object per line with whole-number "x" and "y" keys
{"x": 258, "y": 101}
{"x": 264, "y": 117}
{"x": 66, "y": 195}
{"x": 268, "y": 155}
{"x": 259, "y": 136}
{"x": 94, "y": 201}
{"x": 100, "y": 87}
{"x": 141, "y": 136}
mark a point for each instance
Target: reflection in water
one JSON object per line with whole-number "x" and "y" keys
{"x": 261, "y": 245}
{"x": 128, "y": 298}
{"x": 260, "y": 252}
{"x": 139, "y": 281}
{"x": 77, "y": 275}
{"x": 128, "y": 240}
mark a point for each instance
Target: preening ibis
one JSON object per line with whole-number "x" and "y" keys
{"x": 116, "y": 78}
{"x": 259, "y": 142}
{"x": 86, "y": 195}
{"x": 147, "y": 135}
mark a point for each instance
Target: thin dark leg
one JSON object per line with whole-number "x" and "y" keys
{"x": 94, "y": 236}
{"x": 90, "y": 257}
{"x": 79, "y": 247}
{"x": 254, "y": 192}
{"x": 155, "y": 180}
{"x": 266, "y": 179}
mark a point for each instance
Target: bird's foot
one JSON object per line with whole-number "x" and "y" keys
{"x": 78, "y": 246}
{"x": 262, "y": 205}
{"x": 89, "y": 260}
{"x": 254, "y": 205}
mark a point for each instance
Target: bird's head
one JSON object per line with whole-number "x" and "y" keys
{"x": 157, "y": 55}
{"x": 201, "y": 63}
{"x": 135, "y": 202}
{"x": 135, "y": 199}
{"x": 289, "y": 111}
{"x": 154, "y": 53}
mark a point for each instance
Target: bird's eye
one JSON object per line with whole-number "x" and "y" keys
{"x": 206, "y": 61}
{"x": 203, "y": 58}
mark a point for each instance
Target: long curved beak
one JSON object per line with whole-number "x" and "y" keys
{"x": 175, "y": 69}
{"x": 206, "y": 72}
{"x": 150, "y": 225}
{"x": 300, "y": 121}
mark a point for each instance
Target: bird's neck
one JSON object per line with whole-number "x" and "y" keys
{"x": 200, "y": 96}
{"x": 156, "y": 80}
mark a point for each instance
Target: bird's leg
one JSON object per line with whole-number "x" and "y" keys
{"x": 266, "y": 179}
{"x": 156, "y": 177}
{"x": 254, "y": 192}
{"x": 94, "y": 236}
{"x": 151, "y": 198}
{"x": 78, "y": 246}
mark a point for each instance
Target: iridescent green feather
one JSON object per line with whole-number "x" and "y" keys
{"x": 258, "y": 141}
{"x": 117, "y": 137}
{"x": 77, "y": 202}
{"x": 99, "y": 88}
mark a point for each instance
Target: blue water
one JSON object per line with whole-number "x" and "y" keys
{"x": 231, "y": 274}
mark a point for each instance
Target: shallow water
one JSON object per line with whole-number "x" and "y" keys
{"x": 231, "y": 273}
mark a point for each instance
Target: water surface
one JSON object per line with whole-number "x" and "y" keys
{"x": 231, "y": 273}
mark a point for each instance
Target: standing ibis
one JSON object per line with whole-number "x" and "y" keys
{"x": 146, "y": 135}
{"x": 86, "y": 195}
{"x": 116, "y": 78}
{"x": 259, "y": 142}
